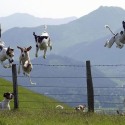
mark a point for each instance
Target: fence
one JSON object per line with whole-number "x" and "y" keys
{"x": 92, "y": 90}
{"x": 89, "y": 87}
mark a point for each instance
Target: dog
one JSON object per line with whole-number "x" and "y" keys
{"x": 59, "y": 107}
{"x": 118, "y": 38}
{"x": 120, "y": 113}
{"x": 6, "y": 54}
{"x": 42, "y": 43}
{"x": 24, "y": 60}
{"x": 80, "y": 108}
{"x": 4, "y": 105}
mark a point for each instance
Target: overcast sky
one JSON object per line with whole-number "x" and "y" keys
{"x": 55, "y": 8}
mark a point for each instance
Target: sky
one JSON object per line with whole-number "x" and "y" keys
{"x": 55, "y": 8}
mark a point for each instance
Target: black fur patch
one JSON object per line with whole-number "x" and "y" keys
{"x": 8, "y": 95}
{"x": 1, "y": 48}
{"x": 123, "y": 23}
{"x": 40, "y": 38}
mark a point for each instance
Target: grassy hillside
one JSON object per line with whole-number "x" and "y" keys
{"x": 27, "y": 98}
{"x": 45, "y": 113}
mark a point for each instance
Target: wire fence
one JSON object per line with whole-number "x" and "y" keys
{"x": 108, "y": 93}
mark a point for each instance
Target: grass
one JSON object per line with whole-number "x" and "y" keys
{"x": 37, "y": 112}
{"x": 51, "y": 117}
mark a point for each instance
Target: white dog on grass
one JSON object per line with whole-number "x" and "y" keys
{"x": 4, "y": 105}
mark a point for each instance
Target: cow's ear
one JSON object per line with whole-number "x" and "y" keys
{"x": 20, "y": 48}
{"x": 4, "y": 95}
{"x": 7, "y": 52}
{"x": 34, "y": 33}
{"x": 29, "y": 48}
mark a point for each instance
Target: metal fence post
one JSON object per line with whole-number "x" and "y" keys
{"x": 90, "y": 92}
{"x": 15, "y": 86}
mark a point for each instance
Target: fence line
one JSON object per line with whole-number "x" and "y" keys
{"x": 24, "y": 93}
{"x": 78, "y": 66}
{"x": 78, "y": 87}
{"x": 73, "y": 77}
{"x": 74, "y": 87}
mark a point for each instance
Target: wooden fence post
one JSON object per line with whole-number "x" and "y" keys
{"x": 90, "y": 92}
{"x": 15, "y": 86}
{"x": 0, "y": 30}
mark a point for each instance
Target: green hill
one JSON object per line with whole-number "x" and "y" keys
{"x": 27, "y": 98}
{"x": 36, "y": 112}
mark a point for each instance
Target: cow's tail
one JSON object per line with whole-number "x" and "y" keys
{"x": 45, "y": 27}
{"x": 106, "y": 26}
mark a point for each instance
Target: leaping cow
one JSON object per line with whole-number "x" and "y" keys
{"x": 42, "y": 42}
{"x": 118, "y": 38}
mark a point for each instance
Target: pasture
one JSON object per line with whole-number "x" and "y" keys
{"x": 47, "y": 114}
{"x": 56, "y": 117}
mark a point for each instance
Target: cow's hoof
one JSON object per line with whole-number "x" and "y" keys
{"x": 44, "y": 57}
{"x": 36, "y": 55}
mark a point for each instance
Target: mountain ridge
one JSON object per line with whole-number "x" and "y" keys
{"x": 87, "y": 29}
{"x": 15, "y": 20}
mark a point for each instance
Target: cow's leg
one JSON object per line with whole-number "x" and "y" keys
{"x": 44, "y": 55}
{"x": 50, "y": 47}
{"x": 4, "y": 65}
{"x": 49, "y": 44}
{"x": 19, "y": 66}
{"x": 37, "y": 49}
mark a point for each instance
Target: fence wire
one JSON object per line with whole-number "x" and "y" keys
{"x": 120, "y": 96}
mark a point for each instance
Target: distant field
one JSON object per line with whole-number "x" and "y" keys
{"x": 36, "y": 112}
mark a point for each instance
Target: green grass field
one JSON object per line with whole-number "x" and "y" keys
{"x": 37, "y": 112}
